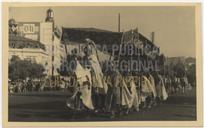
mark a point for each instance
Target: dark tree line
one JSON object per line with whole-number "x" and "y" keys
{"x": 181, "y": 69}
{"x": 22, "y": 69}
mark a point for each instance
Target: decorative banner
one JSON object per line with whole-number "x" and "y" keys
{"x": 130, "y": 36}
{"x": 29, "y": 30}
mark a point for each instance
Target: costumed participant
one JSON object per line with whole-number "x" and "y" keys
{"x": 124, "y": 97}
{"x": 120, "y": 96}
{"x": 134, "y": 101}
{"x": 146, "y": 91}
{"x": 81, "y": 98}
{"x": 137, "y": 103}
{"x": 109, "y": 75}
{"x": 98, "y": 82}
{"x": 164, "y": 92}
{"x": 160, "y": 88}
{"x": 113, "y": 94}
{"x": 154, "y": 93}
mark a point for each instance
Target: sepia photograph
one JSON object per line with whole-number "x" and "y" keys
{"x": 102, "y": 63}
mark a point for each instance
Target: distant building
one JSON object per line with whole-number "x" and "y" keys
{"x": 54, "y": 39}
{"x": 144, "y": 50}
{"x": 27, "y": 49}
{"x": 76, "y": 36}
{"x": 39, "y": 32}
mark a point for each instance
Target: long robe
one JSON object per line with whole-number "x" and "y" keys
{"x": 152, "y": 82}
{"x": 135, "y": 99}
{"x": 116, "y": 82}
{"x": 121, "y": 91}
{"x": 127, "y": 97}
{"x": 147, "y": 88}
{"x": 97, "y": 75}
{"x": 132, "y": 100}
{"x": 83, "y": 76}
{"x": 161, "y": 90}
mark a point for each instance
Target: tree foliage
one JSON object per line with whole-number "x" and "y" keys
{"x": 21, "y": 69}
{"x": 191, "y": 74}
{"x": 179, "y": 69}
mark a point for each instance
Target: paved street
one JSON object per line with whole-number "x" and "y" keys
{"x": 50, "y": 106}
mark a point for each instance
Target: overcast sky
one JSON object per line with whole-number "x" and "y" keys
{"x": 174, "y": 27}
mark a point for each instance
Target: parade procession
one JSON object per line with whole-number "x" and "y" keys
{"x": 114, "y": 87}
{"x": 101, "y": 72}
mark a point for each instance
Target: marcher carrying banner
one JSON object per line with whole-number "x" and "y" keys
{"x": 83, "y": 77}
{"x": 97, "y": 74}
{"x": 164, "y": 93}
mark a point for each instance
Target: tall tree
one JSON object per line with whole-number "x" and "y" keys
{"x": 21, "y": 69}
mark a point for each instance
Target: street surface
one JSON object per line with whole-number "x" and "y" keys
{"x": 50, "y": 106}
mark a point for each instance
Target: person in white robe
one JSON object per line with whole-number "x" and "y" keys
{"x": 146, "y": 90}
{"x": 98, "y": 82}
{"x": 97, "y": 74}
{"x": 152, "y": 82}
{"x": 160, "y": 88}
{"x": 134, "y": 101}
{"x": 127, "y": 97}
{"x": 84, "y": 88}
{"x": 122, "y": 97}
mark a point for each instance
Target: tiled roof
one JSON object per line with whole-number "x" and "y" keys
{"x": 97, "y": 35}
{"x": 22, "y": 42}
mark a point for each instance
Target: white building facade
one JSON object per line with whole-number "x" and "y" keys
{"x": 44, "y": 32}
